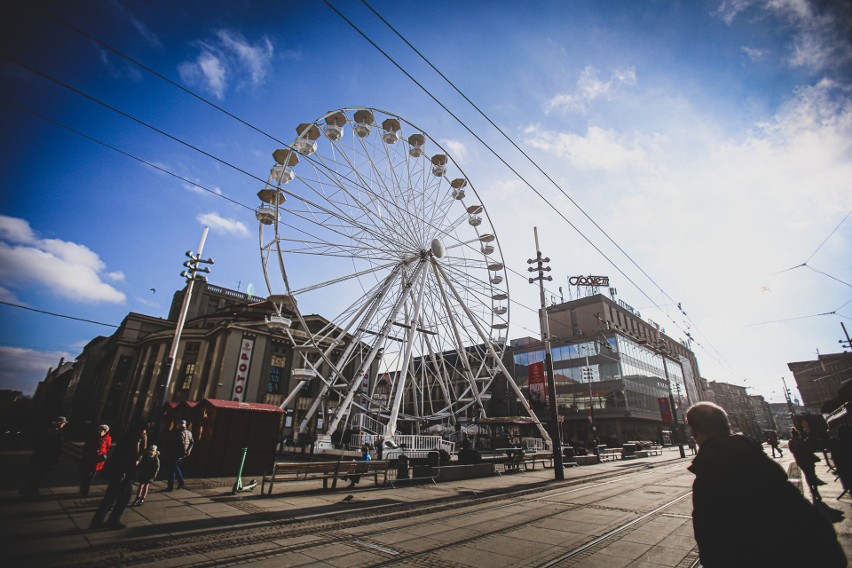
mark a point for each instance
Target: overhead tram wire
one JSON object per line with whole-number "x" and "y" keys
{"x": 256, "y": 129}
{"x": 45, "y": 312}
{"x": 122, "y": 152}
{"x": 188, "y": 91}
{"x": 519, "y": 149}
{"x": 195, "y": 184}
{"x": 500, "y": 158}
{"x": 549, "y": 178}
{"x": 226, "y": 112}
{"x": 513, "y": 170}
{"x": 174, "y": 83}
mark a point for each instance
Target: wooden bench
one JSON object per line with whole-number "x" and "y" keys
{"x": 611, "y": 454}
{"x": 651, "y": 451}
{"x": 545, "y": 459}
{"x": 514, "y": 463}
{"x": 325, "y": 470}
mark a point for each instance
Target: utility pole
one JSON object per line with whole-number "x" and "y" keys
{"x": 192, "y": 275}
{"x": 675, "y": 421}
{"x": 789, "y": 402}
{"x": 848, "y": 343}
{"x": 555, "y": 433}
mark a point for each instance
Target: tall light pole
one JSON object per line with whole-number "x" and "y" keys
{"x": 675, "y": 422}
{"x": 192, "y": 274}
{"x": 587, "y": 372}
{"x": 555, "y": 433}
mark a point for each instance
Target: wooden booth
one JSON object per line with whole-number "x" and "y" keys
{"x": 222, "y": 428}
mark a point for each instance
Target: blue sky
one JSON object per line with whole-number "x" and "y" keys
{"x": 711, "y": 140}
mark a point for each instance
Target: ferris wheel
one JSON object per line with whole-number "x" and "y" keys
{"x": 386, "y": 273}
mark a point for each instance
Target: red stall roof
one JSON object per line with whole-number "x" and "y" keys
{"x": 232, "y": 404}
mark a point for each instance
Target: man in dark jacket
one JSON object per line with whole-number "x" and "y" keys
{"x": 120, "y": 469}
{"x": 48, "y": 450}
{"x": 745, "y": 512}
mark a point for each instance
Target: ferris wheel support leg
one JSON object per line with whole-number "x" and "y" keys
{"x": 439, "y": 276}
{"x": 373, "y": 308}
{"x": 439, "y": 373}
{"x": 409, "y": 348}
{"x": 490, "y": 346}
{"x": 365, "y": 365}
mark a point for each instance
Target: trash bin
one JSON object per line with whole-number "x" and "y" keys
{"x": 402, "y": 467}
{"x": 568, "y": 452}
{"x": 628, "y": 450}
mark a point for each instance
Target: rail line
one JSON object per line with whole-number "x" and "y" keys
{"x": 355, "y": 528}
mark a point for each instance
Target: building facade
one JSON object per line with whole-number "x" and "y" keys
{"x": 820, "y": 380}
{"x": 616, "y": 374}
{"x": 227, "y": 350}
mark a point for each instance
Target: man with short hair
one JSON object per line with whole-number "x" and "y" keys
{"x": 181, "y": 449}
{"x": 48, "y": 450}
{"x": 745, "y": 512}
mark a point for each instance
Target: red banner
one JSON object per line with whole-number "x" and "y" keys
{"x": 538, "y": 385}
{"x": 665, "y": 410}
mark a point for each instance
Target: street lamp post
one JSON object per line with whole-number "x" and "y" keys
{"x": 675, "y": 421}
{"x": 192, "y": 274}
{"x": 587, "y": 371}
{"x": 555, "y": 433}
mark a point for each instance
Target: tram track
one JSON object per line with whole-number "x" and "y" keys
{"x": 356, "y": 528}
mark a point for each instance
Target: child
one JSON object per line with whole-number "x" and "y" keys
{"x": 149, "y": 465}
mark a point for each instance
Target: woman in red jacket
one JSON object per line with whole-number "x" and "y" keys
{"x": 94, "y": 456}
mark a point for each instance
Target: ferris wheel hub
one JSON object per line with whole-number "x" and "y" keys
{"x": 438, "y": 248}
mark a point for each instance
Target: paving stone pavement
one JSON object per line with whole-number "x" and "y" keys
{"x": 204, "y": 510}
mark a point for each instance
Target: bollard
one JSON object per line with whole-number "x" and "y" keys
{"x": 402, "y": 467}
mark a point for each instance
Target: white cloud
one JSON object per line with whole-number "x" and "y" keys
{"x": 256, "y": 57}
{"x": 457, "y": 149}
{"x": 223, "y": 224}
{"x": 227, "y": 58}
{"x": 21, "y": 368}
{"x": 600, "y": 148}
{"x": 67, "y": 269}
{"x": 590, "y": 88}
{"x": 7, "y": 295}
{"x": 198, "y": 189}
{"x": 207, "y": 71}
{"x": 820, "y": 38}
{"x": 754, "y": 53}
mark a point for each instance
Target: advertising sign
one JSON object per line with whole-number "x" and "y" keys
{"x": 243, "y": 365}
{"x": 538, "y": 385}
{"x": 665, "y": 410}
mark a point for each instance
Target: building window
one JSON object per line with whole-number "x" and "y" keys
{"x": 274, "y": 383}
{"x": 188, "y": 372}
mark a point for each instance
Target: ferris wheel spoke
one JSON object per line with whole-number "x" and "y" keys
{"x": 355, "y": 275}
{"x": 362, "y": 185}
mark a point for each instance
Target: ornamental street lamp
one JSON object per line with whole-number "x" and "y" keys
{"x": 555, "y": 433}
{"x": 192, "y": 274}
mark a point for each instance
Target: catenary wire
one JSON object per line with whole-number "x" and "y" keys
{"x": 524, "y": 180}
{"x": 272, "y": 137}
{"x": 195, "y": 184}
{"x": 56, "y": 314}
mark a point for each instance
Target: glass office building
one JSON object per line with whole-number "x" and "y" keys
{"x": 616, "y": 380}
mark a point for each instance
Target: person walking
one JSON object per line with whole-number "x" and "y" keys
{"x": 745, "y": 512}
{"x": 840, "y": 447}
{"x": 94, "y": 456}
{"x": 806, "y": 459}
{"x": 772, "y": 440}
{"x": 48, "y": 450}
{"x": 181, "y": 448}
{"x": 119, "y": 470}
{"x": 147, "y": 469}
